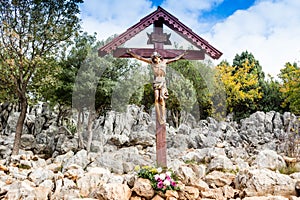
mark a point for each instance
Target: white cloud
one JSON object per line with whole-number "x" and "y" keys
{"x": 188, "y": 12}
{"x": 109, "y": 17}
{"x": 270, "y": 29}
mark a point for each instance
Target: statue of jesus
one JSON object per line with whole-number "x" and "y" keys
{"x": 158, "y": 64}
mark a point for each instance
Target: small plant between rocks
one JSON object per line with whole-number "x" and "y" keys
{"x": 161, "y": 179}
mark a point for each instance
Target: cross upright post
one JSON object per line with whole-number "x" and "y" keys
{"x": 161, "y": 141}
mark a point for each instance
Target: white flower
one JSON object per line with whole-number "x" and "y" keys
{"x": 159, "y": 170}
{"x": 169, "y": 173}
{"x": 167, "y": 182}
{"x": 156, "y": 177}
{"x": 162, "y": 177}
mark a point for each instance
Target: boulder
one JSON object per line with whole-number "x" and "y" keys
{"x": 259, "y": 182}
{"x": 112, "y": 191}
{"x": 143, "y": 188}
{"x": 269, "y": 159}
{"x": 219, "y": 179}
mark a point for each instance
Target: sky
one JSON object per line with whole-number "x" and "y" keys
{"x": 269, "y": 29}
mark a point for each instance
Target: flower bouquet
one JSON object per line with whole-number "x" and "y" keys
{"x": 161, "y": 179}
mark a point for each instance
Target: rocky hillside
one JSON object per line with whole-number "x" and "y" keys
{"x": 255, "y": 159}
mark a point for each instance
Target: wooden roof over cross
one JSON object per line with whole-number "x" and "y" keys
{"x": 158, "y": 18}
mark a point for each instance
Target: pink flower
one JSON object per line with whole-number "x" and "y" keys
{"x": 173, "y": 183}
{"x": 168, "y": 178}
{"x": 160, "y": 185}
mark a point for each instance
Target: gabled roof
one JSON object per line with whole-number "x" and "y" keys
{"x": 170, "y": 21}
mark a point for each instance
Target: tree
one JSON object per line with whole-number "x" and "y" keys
{"x": 256, "y": 68}
{"x": 272, "y": 97}
{"x": 242, "y": 87}
{"x": 199, "y": 77}
{"x": 290, "y": 76}
{"x": 32, "y": 33}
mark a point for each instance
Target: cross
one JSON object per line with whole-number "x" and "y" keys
{"x": 158, "y": 38}
{"x": 159, "y": 64}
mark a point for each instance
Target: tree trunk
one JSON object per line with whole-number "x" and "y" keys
{"x": 20, "y": 123}
{"x": 89, "y": 130}
{"x": 80, "y": 118}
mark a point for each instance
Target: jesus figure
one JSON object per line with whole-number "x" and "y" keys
{"x": 158, "y": 64}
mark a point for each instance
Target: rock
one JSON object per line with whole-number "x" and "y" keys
{"x": 199, "y": 184}
{"x": 221, "y": 163}
{"x": 219, "y": 179}
{"x": 259, "y": 182}
{"x": 21, "y": 190}
{"x": 92, "y": 179}
{"x": 74, "y": 172}
{"x": 186, "y": 174}
{"x": 178, "y": 141}
{"x": 266, "y": 198}
{"x": 39, "y": 175}
{"x": 216, "y": 193}
{"x": 157, "y": 197}
{"x": 183, "y": 129}
{"x": 269, "y": 159}
{"x": 80, "y": 158}
{"x": 19, "y": 174}
{"x": 118, "y": 140}
{"x": 297, "y": 188}
{"x": 42, "y": 193}
{"x": 27, "y": 141}
{"x": 190, "y": 192}
{"x": 143, "y": 138}
{"x": 143, "y": 188}
{"x": 229, "y": 192}
{"x": 277, "y": 121}
{"x": 112, "y": 191}
{"x": 269, "y": 121}
{"x": 171, "y": 195}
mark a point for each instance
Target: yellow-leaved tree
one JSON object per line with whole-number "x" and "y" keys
{"x": 242, "y": 87}
{"x": 290, "y": 88}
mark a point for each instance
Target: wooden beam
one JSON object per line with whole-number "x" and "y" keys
{"x": 161, "y": 144}
{"x": 165, "y": 53}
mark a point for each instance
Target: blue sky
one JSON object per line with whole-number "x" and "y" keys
{"x": 269, "y": 29}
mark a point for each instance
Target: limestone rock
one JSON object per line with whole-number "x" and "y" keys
{"x": 219, "y": 179}
{"x": 221, "y": 163}
{"x": 216, "y": 193}
{"x": 259, "y": 182}
{"x": 39, "y": 175}
{"x": 266, "y": 198}
{"x": 112, "y": 191}
{"x": 143, "y": 188}
{"x": 269, "y": 159}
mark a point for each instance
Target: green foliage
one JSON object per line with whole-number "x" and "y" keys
{"x": 161, "y": 179}
{"x": 23, "y": 166}
{"x": 272, "y": 98}
{"x": 198, "y": 77}
{"x": 289, "y": 169}
{"x": 290, "y": 89}
{"x": 32, "y": 32}
{"x": 242, "y": 88}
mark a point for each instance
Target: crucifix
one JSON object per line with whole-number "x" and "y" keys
{"x": 159, "y": 65}
{"x": 158, "y": 57}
